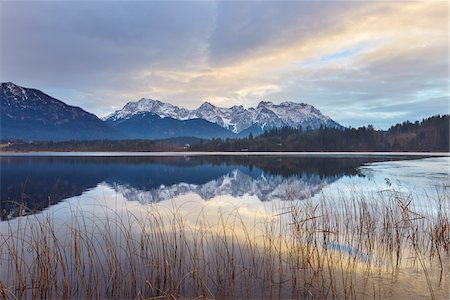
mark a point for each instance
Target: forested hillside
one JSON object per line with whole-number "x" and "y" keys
{"x": 430, "y": 134}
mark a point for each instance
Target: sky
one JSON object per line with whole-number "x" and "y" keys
{"x": 359, "y": 62}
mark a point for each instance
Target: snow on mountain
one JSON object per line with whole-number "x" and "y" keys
{"x": 17, "y": 92}
{"x": 265, "y": 115}
{"x": 157, "y": 107}
{"x": 24, "y": 98}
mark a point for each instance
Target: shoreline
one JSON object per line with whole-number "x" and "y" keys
{"x": 238, "y": 153}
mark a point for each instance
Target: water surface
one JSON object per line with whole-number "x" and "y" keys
{"x": 230, "y": 208}
{"x": 39, "y": 181}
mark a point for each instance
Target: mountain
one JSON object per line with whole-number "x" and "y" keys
{"x": 29, "y": 114}
{"x": 146, "y": 125}
{"x": 237, "y": 119}
{"x": 146, "y": 105}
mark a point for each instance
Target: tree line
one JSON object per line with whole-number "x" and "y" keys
{"x": 95, "y": 146}
{"x": 431, "y": 134}
{"x": 428, "y": 135}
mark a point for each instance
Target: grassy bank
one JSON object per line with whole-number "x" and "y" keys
{"x": 350, "y": 247}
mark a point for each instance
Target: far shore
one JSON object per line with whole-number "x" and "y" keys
{"x": 239, "y": 153}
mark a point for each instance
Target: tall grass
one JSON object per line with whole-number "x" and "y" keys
{"x": 346, "y": 247}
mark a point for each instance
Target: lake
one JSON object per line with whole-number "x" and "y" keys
{"x": 228, "y": 226}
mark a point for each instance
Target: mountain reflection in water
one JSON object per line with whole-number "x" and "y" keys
{"x": 38, "y": 182}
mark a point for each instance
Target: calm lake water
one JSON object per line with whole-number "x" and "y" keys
{"x": 257, "y": 187}
{"x": 41, "y": 182}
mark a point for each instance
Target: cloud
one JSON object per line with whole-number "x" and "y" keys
{"x": 96, "y": 46}
{"x": 246, "y": 29}
{"x": 359, "y": 62}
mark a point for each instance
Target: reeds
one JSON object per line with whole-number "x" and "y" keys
{"x": 369, "y": 245}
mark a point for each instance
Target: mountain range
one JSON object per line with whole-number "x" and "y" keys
{"x": 30, "y": 114}
{"x": 236, "y": 119}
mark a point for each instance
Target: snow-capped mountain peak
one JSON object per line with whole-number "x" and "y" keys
{"x": 13, "y": 89}
{"x": 264, "y": 104}
{"x": 206, "y": 105}
{"x": 265, "y": 115}
{"x": 156, "y": 107}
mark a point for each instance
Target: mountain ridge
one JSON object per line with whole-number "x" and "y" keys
{"x": 30, "y": 114}
{"x": 265, "y": 115}
{"x": 147, "y": 125}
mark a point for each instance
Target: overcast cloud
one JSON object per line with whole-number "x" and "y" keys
{"x": 358, "y": 62}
